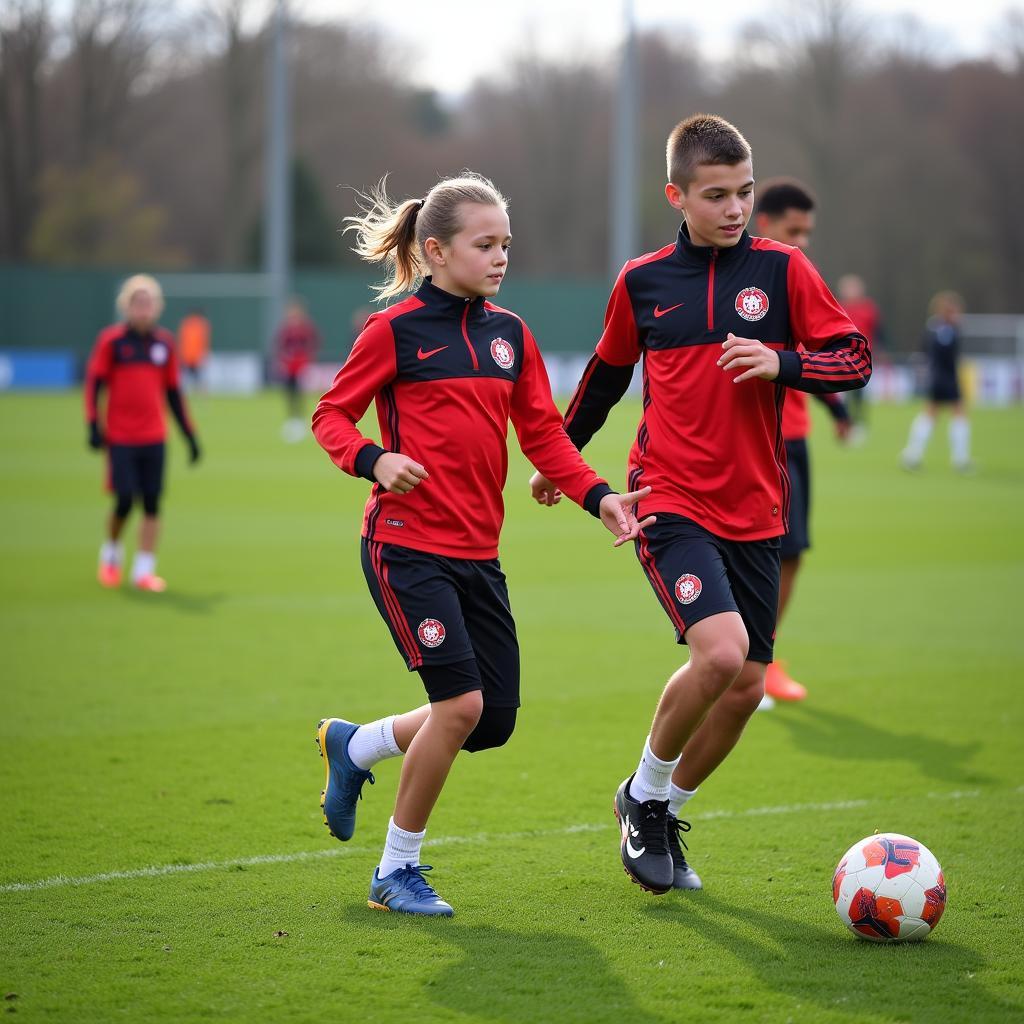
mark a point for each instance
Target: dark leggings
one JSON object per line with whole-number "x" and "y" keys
{"x": 123, "y": 505}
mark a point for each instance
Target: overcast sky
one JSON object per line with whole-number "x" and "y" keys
{"x": 452, "y": 42}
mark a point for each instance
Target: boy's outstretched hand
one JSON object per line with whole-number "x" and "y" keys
{"x": 617, "y": 514}
{"x": 544, "y": 491}
{"x": 751, "y": 356}
{"x": 397, "y": 473}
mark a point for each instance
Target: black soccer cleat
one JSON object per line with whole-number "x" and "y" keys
{"x": 644, "y": 846}
{"x": 683, "y": 876}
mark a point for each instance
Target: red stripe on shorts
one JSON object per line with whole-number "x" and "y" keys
{"x": 647, "y": 561}
{"x": 398, "y": 619}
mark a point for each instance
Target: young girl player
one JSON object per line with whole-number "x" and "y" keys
{"x": 447, "y": 369}
{"x": 136, "y": 362}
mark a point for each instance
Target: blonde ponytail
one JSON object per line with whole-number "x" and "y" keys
{"x": 395, "y": 235}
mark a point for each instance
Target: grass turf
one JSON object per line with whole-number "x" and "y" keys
{"x": 175, "y": 732}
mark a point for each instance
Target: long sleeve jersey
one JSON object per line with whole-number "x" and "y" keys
{"x": 141, "y": 373}
{"x": 447, "y": 374}
{"x": 941, "y": 346}
{"x": 710, "y": 449}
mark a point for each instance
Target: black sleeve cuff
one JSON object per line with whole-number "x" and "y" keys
{"x": 790, "y": 368}
{"x": 594, "y": 497}
{"x": 365, "y": 460}
{"x": 839, "y": 411}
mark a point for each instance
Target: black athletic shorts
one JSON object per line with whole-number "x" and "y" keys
{"x": 137, "y": 469}
{"x": 944, "y": 387}
{"x": 798, "y": 538}
{"x": 696, "y": 574}
{"x": 444, "y": 610}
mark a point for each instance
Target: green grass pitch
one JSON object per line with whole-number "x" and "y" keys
{"x": 163, "y": 856}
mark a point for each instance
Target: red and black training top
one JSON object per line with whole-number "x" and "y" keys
{"x": 710, "y": 449}
{"x": 141, "y": 372}
{"x": 447, "y": 375}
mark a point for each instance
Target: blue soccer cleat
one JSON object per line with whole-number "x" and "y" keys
{"x": 408, "y": 892}
{"x": 343, "y": 785}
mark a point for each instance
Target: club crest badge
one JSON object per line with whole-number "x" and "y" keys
{"x": 431, "y": 633}
{"x": 688, "y": 588}
{"x": 503, "y": 353}
{"x": 158, "y": 353}
{"x": 752, "y": 303}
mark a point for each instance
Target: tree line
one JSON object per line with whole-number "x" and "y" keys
{"x": 131, "y": 135}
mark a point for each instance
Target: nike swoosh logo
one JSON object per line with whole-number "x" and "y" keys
{"x": 420, "y": 354}
{"x": 659, "y": 312}
{"x": 630, "y": 848}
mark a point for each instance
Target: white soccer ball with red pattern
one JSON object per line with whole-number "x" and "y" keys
{"x": 889, "y": 888}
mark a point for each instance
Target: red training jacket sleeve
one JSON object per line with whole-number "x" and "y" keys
{"x": 545, "y": 443}
{"x": 832, "y": 354}
{"x": 619, "y": 343}
{"x": 97, "y": 373}
{"x": 606, "y": 377}
{"x": 370, "y": 366}
{"x": 171, "y": 372}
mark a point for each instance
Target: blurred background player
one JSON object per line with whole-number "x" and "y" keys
{"x": 941, "y": 344}
{"x": 135, "y": 360}
{"x": 784, "y": 212}
{"x": 296, "y": 345}
{"x": 194, "y": 345}
{"x": 864, "y": 313}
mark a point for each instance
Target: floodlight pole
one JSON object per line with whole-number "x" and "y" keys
{"x": 277, "y": 174}
{"x": 623, "y": 241}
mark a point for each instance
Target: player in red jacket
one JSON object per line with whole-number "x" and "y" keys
{"x": 296, "y": 344}
{"x": 136, "y": 361}
{"x": 724, "y": 323}
{"x": 784, "y": 212}
{"x": 448, "y": 369}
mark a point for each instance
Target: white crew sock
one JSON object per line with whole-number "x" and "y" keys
{"x": 960, "y": 440}
{"x": 920, "y": 432}
{"x": 677, "y": 798}
{"x": 373, "y": 742}
{"x": 112, "y": 552}
{"x": 400, "y": 848}
{"x": 653, "y": 776}
{"x": 144, "y": 564}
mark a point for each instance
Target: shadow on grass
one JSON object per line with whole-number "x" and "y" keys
{"x": 193, "y": 604}
{"x": 833, "y": 969}
{"x": 514, "y": 975}
{"x": 835, "y": 735}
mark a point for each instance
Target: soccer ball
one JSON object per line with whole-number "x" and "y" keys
{"x": 889, "y": 888}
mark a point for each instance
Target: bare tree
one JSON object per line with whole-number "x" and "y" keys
{"x": 25, "y": 34}
{"x": 109, "y": 48}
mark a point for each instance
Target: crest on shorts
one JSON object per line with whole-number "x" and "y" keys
{"x": 158, "y": 353}
{"x": 751, "y": 303}
{"x": 688, "y": 588}
{"x": 431, "y": 633}
{"x": 503, "y": 353}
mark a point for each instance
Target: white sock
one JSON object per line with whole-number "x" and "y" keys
{"x": 400, "y": 848}
{"x": 960, "y": 440}
{"x": 373, "y": 742}
{"x": 920, "y": 432}
{"x": 677, "y": 798}
{"x": 653, "y": 776}
{"x": 112, "y": 552}
{"x": 144, "y": 564}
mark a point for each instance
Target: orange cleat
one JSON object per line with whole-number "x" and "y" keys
{"x": 154, "y": 584}
{"x": 109, "y": 574}
{"x": 777, "y": 684}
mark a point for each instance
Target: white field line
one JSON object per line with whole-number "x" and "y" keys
{"x": 159, "y": 870}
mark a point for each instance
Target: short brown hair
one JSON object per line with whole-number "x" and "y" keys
{"x": 702, "y": 139}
